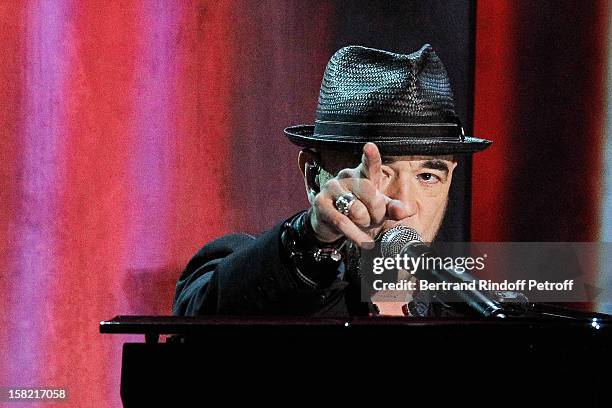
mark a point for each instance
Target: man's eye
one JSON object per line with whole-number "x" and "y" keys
{"x": 428, "y": 178}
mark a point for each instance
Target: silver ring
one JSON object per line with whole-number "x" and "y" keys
{"x": 345, "y": 202}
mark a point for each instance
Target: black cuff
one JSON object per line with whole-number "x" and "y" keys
{"x": 306, "y": 235}
{"x": 315, "y": 263}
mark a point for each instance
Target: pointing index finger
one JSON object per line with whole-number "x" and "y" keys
{"x": 371, "y": 163}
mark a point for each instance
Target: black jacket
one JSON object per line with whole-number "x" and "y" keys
{"x": 238, "y": 274}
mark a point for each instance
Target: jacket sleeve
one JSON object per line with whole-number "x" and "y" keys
{"x": 241, "y": 275}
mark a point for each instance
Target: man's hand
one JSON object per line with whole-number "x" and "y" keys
{"x": 370, "y": 209}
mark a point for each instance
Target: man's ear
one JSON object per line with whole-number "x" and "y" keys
{"x": 453, "y": 165}
{"x": 455, "y": 161}
{"x": 308, "y": 161}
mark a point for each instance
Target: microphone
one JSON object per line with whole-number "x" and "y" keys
{"x": 401, "y": 240}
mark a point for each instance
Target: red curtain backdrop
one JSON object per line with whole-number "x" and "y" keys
{"x": 130, "y": 132}
{"x": 540, "y": 89}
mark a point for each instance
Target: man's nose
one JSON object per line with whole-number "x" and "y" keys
{"x": 404, "y": 191}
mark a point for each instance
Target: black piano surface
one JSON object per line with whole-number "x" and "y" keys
{"x": 184, "y": 356}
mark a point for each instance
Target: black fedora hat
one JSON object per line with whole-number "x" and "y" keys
{"x": 403, "y": 103}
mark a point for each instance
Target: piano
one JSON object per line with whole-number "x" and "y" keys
{"x": 185, "y": 358}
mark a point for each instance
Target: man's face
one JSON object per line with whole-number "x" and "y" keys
{"x": 422, "y": 183}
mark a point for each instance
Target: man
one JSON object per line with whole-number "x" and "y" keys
{"x": 381, "y": 153}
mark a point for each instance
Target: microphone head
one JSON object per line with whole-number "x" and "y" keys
{"x": 395, "y": 240}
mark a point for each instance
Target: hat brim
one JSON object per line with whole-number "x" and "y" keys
{"x": 304, "y": 136}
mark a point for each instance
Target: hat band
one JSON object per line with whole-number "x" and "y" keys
{"x": 394, "y": 129}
